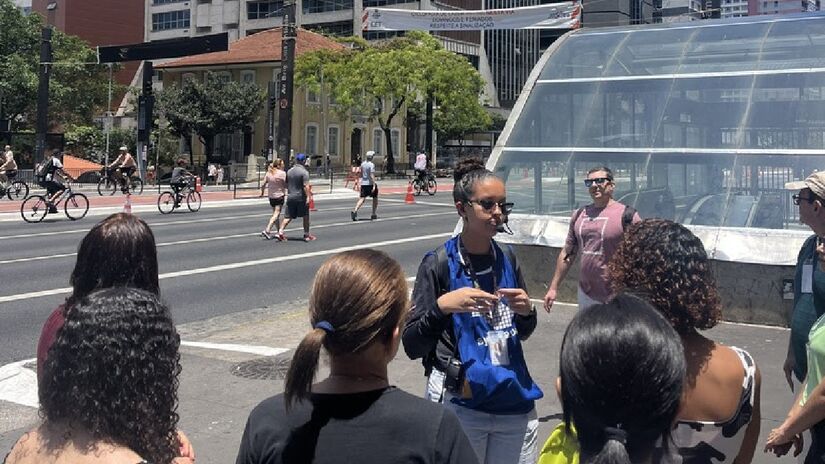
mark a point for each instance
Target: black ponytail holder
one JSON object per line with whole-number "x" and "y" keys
{"x": 615, "y": 433}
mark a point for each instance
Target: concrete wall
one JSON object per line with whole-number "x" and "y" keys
{"x": 750, "y": 292}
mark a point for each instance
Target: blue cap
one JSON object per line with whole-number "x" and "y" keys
{"x": 300, "y": 157}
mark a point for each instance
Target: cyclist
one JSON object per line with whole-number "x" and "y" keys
{"x": 420, "y": 167}
{"x": 51, "y": 171}
{"x": 8, "y": 170}
{"x": 126, "y": 166}
{"x": 180, "y": 179}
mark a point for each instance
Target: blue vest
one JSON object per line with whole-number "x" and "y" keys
{"x": 495, "y": 389}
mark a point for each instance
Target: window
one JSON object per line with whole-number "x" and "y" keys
{"x": 378, "y": 35}
{"x": 377, "y": 138}
{"x": 311, "y": 145}
{"x": 369, "y": 3}
{"x": 230, "y": 26}
{"x": 170, "y": 20}
{"x": 187, "y": 77}
{"x": 248, "y": 76}
{"x": 312, "y": 97}
{"x": 331, "y": 99}
{"x": 321, "y": 6}
{"x": 204, "y": 29}
{"x": 395, "y": 139}
{"x": 223, "y": 76}
{"x": 378, "y": 105}
{"x": 261, "y": 10}
{"x": 164, "y": 2}
{"x": 332, "y": 140}
{"x": 340, "y": 28}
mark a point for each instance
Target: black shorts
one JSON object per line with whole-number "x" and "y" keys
{"x": 128, "y": 171}
{"x": 296, "y": 208}
{"x": 369, "y": 191}
{"x": 11, "y": 174}
{"x": 53, "y": 186}
{"x": 273, "y": 202}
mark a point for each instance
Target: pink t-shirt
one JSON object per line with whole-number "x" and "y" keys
{"x": 276, "y": 184}
{"x": 598, "y": 233}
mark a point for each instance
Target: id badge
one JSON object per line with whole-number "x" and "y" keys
{"x": 497, "y": 344}
{"x": 807, "y": 278}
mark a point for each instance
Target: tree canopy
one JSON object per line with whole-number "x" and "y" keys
{"x": 78, "y": 90}
{"x": 377, "y": 80}
{"x": 208, "y": 108}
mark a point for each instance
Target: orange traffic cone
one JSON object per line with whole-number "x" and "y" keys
{"x": 127, "y": 207}
{"x": 410, "y": 199}
{"x": 311, "y": 201}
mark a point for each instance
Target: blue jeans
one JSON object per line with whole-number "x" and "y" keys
{"x": 496, "y": 438}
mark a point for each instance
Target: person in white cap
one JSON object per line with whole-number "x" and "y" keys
{"x": 805, "y": 359}
{"x": 126, "y": 166}
{"x": 369, "y": 188}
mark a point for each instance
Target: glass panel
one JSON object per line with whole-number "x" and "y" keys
{"x": 582, "y": 55}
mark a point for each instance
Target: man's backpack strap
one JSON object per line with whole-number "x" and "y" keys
{"x": 627, "y": 217}
{"x": 575, "y": 248}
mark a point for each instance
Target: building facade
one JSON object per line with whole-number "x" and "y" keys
{"x": 317, "y": 129}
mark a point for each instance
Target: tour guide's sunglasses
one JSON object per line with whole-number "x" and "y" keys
{"x": 488, "y": 205}
{"x": 598, "y": 181}
{"x": 797, "y": 199}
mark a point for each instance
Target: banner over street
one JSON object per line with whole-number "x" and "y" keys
{"x": 564, "y": 15}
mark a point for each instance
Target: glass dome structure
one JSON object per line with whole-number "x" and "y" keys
{"x": 701, "y": 122}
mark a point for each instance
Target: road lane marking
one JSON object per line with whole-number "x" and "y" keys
{"x": 242, "y": 264}
{"x": 227, "y": 237}
{"x": 251, "y": 349}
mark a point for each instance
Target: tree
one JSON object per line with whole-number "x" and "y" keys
{"x": 365, "y": 77}
{"x": 209, "y": 108}
{"x": 78, "y": 88}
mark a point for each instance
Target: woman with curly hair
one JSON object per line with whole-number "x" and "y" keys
{"x": 719, "y": 414}
{"x": 119, "y": 251}
{"x": 108, "y": 392}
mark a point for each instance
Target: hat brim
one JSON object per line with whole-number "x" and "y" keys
{"x": 797, "y": 185}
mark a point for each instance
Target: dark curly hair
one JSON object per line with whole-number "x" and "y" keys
{"x": 666, "y": 264}
{"x": 466, "y": 174}
{"x": 113, "y": 371}
{"x": 118, "y": 251}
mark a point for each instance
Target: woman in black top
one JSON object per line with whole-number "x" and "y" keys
{"x": 357, "y": 306}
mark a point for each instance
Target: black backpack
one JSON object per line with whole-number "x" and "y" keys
{"x": 42, "y": 170}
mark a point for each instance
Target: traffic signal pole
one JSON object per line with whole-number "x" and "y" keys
{"x": 42, "y": 123}
{"x": 146, "y": 103}
{"x": 285, "y": 81}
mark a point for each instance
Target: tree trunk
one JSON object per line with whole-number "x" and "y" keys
{"x": 390, "y": 159}
{"x": 208, "y": 146}
{"x": 188, "y": 139}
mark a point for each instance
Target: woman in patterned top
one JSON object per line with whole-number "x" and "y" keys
{"x": 719, "y": 415}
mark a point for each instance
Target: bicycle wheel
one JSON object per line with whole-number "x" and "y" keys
{"x": 136, "y": 186}
{"x": 432, "y": 186}
{"x": 76, "y": 206}
{"x": 17, "y": 190}
{"x": 166, "y": 202}
{"x": 34, "y": 208}
{"x": 106, "y": 187}
{"x": 193, "y": 201}
{"x": 416, "y": 187}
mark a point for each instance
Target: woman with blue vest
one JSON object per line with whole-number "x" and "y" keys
{"x": 470, "y": 314}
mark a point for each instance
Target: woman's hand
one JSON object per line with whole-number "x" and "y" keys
{"x": 517, "y": 299}
{"x": 185, "y": 449}
{"x": 467, "y": 300}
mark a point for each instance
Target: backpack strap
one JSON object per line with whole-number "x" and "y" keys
{"x": 575, "y": 248}
{"x": 443, "y": 266}
{"x": 627, "y": 217}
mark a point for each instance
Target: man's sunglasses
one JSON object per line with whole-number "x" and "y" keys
{"x": 798, "y": 198}
{"x": 598, "y": 181}
{"x": 488, "y": 205}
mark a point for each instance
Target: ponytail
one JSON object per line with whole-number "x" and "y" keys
{"x": 302, "y": 369}
{"x": 614, "y": 448}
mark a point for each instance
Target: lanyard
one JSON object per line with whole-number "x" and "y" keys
{"x": 464, "y": 257}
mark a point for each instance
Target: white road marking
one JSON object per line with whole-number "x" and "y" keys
{"x": 19, "y": 384}
{"x": 251, "y": 349}
{"x": 226, "y": 237}
{"x": 242, "y": 264}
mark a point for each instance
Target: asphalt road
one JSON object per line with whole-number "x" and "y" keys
{"x": 210, "y": 260}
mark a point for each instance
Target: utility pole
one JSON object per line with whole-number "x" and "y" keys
{"x": 146, "y": 103}
{"x": 285, "y": 80}
{"x": 42, "y": 125}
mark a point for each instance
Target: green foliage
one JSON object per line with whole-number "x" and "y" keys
{"x": 209, "y": 108}
{"x": 402, "y": 71}
{"x": 77, "y": 90}
{"x": 89, "y": 142}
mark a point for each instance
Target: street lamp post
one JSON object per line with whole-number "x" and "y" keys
{"x": 285, "y": 81}
{"x": 42, "y": 123}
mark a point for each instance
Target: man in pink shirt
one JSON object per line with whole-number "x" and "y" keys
{"x": 595, "y": 233}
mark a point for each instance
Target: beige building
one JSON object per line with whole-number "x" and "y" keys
{"x": 317, "y": 129}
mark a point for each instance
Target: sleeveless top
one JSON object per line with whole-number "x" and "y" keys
{"x": 716, "y": 442}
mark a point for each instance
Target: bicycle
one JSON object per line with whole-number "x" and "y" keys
{"x": 426, "y": 183}
{"x": 36, "y": 207}
{"x": 171, "y": 200}
{"x": 109, "y": 184}
{"x": 14, "y": 190}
